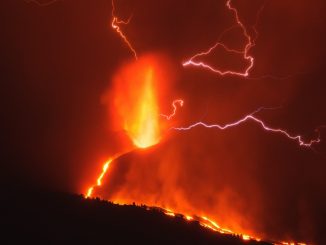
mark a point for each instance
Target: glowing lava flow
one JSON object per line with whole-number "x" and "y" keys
{"x": 136, "y": 106}
{"x": 209, "y": 224}
{"x": 212, "y": 225}
{"x": 99, "y": 179}
{"x": 174, "y": 105}
{"x": 115, "y": 25}
{"x": 204, "y": 220}
{"x": 251, "y": 117}
{"x": 245, "y": 52}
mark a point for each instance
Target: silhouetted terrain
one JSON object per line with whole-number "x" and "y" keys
{"x": 59, "y": 218}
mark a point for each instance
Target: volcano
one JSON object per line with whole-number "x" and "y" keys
{"x": 209, "y": 113}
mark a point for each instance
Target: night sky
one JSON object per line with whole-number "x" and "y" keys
{"x": 58, "y": 61}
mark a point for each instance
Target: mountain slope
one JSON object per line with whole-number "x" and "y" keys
{"x": 60, "y": 218}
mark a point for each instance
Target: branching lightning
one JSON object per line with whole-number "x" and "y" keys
{"x": 251, "y": 117}
{"x": 115, "y": 25}
{"x": 245, "y": 52}
{"x": 174, "y": 105}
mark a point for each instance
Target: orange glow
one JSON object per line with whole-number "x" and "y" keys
{"x": 105, "y": 168}
{"x": 208, "y": 226}
{"x": 99, "y": 179}
{"x": 89, "y": 192}
{"x": 169, "y": 212}
{"x": 133, "y": 101}
{"x": 212, "y": 222}
{"x": 144, "y": 128}
{"x": 245, "y": 237}
{"x": 189, "y": 217}
{"x": 212, "y": 225}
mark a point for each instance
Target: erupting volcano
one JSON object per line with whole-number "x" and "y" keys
{"x": 133, "y": 102}
{"x": 134, "y": 106}
{"x": 192, "y": 109}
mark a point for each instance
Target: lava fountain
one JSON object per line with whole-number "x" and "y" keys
{"x": 134, "y": 101}
{"x": 142, "y": 124}
{"x": 133, "y": 105}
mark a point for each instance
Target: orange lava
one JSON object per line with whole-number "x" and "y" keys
{"x": 143, "y": 126}
{"x": 99, "y": 179}
{"x": 133, "y": 101}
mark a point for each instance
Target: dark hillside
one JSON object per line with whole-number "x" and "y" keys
{"x": 59, "y": 218}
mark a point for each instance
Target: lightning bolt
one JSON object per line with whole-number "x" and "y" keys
{"x": 115, "y": 25}
{"x": 251, "y": 117}
{"x": 245, "y": 52}
{"x": 174, "y": 105}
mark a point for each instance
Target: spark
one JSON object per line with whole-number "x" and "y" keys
{"x": 115, "y": 25}
{"x": 179, "y": 102}
{"x": 245, "y": 52}
{"x": 251, "y": 117}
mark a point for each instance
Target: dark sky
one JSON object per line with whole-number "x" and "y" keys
{"x": 58, "y": 60}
